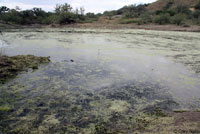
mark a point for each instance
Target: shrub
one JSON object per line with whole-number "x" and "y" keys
{"x": 52, "y": 19}
{"x": 171, "y": 12}
{"x": 183, "y": 9}
{"x": 196, "y": 14}
{"x": 145, "y": 18}
{"x": 178, "y": 19}
{"x": 162, "y": 19}
{"x": 132, "y": 11}
{"x": 67, "y": 18}
{"x": 197, "y": 6}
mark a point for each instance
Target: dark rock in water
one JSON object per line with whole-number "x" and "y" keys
{"x": 72, "y": 60}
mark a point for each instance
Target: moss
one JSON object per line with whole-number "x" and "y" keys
{"x": 11, "y": 66}
{"x": 119, "y": 106}
{"x": 5, "y": 108}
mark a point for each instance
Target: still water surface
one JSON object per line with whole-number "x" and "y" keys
{"x": 95, "y": 73}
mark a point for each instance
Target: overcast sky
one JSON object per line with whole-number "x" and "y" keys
{"x": 89, "y": 5}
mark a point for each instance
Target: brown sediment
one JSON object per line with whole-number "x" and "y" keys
{"x": 11, "y": 66}
{"x": 189, "y": 116}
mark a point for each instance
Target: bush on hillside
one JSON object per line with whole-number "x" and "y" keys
{"x": 146, "y": 18}
{"x": 196, "y": 14}
{"x": 183, "y": 9}
{"x": 197, "y": 6}
{"x": 162, "y": 19}
{"x": 178, "y": 19}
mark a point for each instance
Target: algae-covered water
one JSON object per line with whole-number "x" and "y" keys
{"x": 97, "y": 78}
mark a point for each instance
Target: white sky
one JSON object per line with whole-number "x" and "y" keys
{"x": 89, "y": 5}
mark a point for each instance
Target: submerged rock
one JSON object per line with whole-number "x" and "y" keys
{"x": 11, "y": 66}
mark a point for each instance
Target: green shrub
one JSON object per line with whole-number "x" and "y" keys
{"x": 183, "y": 9}
{"x": 178, "y": 19}
{"x": 171, "y": 12}
{"x": 197, "y": 6}
{"x": 132, "y": 11}
{"x": 196, "y": 14}
{"x": 52, "y": 19}
{"x": 162, "y": 19}
{"x": 146, "y": 18}
{"x": 67, "y": 18}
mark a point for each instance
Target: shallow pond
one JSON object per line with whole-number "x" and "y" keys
{"x": 97, "y": 76}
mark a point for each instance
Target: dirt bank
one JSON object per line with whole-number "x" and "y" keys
{"x": 114, "y": 23}
{"x": 110, "y": 24}
{"x": 135, "y": 26}
{"x": 11, "y": 66}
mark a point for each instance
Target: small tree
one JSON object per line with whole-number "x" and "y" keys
{"x": 67, "y": 18}
{"x": 82, "y": 10}
{"x": 178, "y": 19}
{"x": 38, "y": 12}
{"x": 27, "y": 16}
{"x": 17, "y": 8}
{"x": 3, "y": 9}
{"x": 63, "y": 8}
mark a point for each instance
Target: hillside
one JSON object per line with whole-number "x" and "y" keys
{"x": 160, "y": 4}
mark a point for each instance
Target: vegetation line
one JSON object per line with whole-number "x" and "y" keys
{"x": 160, "y": 12}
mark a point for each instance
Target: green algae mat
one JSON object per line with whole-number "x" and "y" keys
{"x": 11, "y": 66}
{"x": 101, "y": 82}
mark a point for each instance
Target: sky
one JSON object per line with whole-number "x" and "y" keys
{"x": 96, "y": 6}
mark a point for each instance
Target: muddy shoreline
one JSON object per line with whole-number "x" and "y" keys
{"x": 192, "y": 28}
